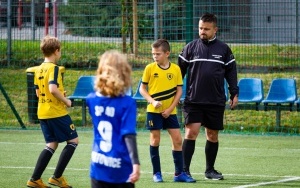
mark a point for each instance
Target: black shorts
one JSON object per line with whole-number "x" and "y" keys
{"x": 102, "y": 184}
{"x": 210, "y": 116}
{"x": 58, "y": 129}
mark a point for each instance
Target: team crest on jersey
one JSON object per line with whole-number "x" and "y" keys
{"x": 72, "y": 126}
{"x": 170, "y": 76}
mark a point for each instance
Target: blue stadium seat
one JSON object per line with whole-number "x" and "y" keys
{"x": 138, "y": 95}
{"x": 251, "y": 91}
{"x": 183, "y": 90}
{"x": 281, "y": 91}
{"x": 179, "y": 110}
{"x": 226, "y": 90}
{"x": 85, "y": 85}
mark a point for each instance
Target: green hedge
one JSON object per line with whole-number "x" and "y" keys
{"x": 275, "y": 58}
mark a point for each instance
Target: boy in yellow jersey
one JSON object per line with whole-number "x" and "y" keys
{"x": 55, "y": 122}
{"x": 162, "y": 88}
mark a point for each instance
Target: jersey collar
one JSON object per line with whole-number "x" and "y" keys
{"x": 209, "y": 41}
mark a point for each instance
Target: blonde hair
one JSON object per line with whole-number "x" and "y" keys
{"x": 49, "y": 45}
{"x": 113, "y": 76}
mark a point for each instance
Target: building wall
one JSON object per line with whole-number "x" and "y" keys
{"x": 275, "y": 21}
{"x": 253, "y": 21}
{"x": 234, "y": 18}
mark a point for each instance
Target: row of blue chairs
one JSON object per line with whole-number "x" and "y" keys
{"x": 281, "y": 91}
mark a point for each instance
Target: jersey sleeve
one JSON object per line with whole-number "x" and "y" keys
{"x": 231, "y": 73}
{"x": 53, "y": 75}
{"x": 131, "y": 144}
{"x": 183, "y": 60}
{"x": 179, "y": 77}
{"x": 146, "y": 74}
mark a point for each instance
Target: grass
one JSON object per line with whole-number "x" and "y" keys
{"x": 244, "y": 160}
{"x": 267, "y": 55}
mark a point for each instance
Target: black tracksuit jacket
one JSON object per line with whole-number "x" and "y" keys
{"x": 205, "y": 65}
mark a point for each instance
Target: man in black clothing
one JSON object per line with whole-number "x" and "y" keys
{"x": 206, "y": 62}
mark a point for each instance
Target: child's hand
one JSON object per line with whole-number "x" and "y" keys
{"x": 156, "y": 104}
{"x": 166, "y": 113}
{"x": 135, "y": 175}
{"x": 69, "y": 103}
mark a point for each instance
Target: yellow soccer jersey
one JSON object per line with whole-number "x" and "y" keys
{"x": 162, "y": 85}
{"x": 48, "y": 105}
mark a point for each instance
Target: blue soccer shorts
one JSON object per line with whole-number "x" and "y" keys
{"x": 156, "y": 121}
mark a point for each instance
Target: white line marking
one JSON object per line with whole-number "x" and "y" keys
{"x": 270, "y": 182}
{"x": 149, "y": 172}
{"x": 224, "y": 148}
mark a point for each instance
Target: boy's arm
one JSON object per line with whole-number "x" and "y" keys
{"x": 145, "y": 94}
{"x": 57, "y": 94}
{"x": 37, "y": 92}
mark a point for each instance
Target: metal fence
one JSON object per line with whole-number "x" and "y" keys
{"x": 263, "y": 34}
{"x": 260, "y": 24}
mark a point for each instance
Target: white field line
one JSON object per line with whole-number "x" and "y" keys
{"x": 150, "y": 172}
{"x": 223, "y": 148}
{"x": 268, "y": 183}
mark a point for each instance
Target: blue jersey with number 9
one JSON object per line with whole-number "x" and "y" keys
{"x": 112, "y": 117}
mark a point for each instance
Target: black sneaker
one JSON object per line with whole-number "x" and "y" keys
{"x": 214, "y": 175}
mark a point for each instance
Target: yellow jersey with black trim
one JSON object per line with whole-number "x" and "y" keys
{"x": 49, "y": 106}
{"x": 162, "y": 85}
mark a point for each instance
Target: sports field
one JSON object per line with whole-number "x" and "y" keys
{"x": 245, "y": 160}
